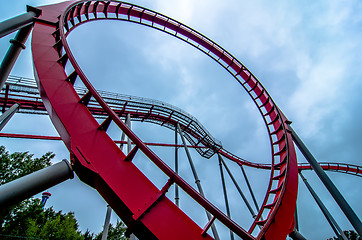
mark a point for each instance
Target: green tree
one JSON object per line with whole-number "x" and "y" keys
{"x": 16, "y": 165}
{"x": 28, "y": 218}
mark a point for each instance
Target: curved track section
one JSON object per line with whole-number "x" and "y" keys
{"x": 101, "y": 164}
{"x": 25, "y": 92}
{"x": 335, "y": 167}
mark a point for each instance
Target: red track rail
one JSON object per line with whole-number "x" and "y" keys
{"x": 29, "y": 99}
{"x": 327, "y": 166}
{"x": 27, "y": 95}
{"x": 100, "y": 163}
{"x": 335, "y": 167}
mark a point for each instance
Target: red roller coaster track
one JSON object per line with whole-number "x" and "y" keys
{"x": 77, "y": 114}
{"x": 24, "y": 92}
{"x": 101, "y": 164}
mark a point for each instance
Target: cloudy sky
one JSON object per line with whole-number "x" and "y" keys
{"x": 307, "y": 55}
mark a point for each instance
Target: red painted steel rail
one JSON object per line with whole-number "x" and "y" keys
{"x": 101, "y": 164}
{"x": 335, "y": 167}
{"x": 351, "y": 169}
{"x": 25, "y": 92}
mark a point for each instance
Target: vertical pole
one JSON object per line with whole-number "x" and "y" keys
{"x": 129, "y": 149}
{"x": 296, "y": 218}
{"x": 123, "y": 137}
{"x": 6, "y": 116}
{"x": 128, "y": 123}
{"x": 197, "y": 180}
{"x": 106, "y": 223}
{"x": 250, "y": 189}
{"x": 237, "y": 187}
{"x": 177, "y": 198}
{"x": 12, "y": 54}
{"x": 225, "y": 195}
{"x": 343, "y": 204}
{"x": 337, "y": 230}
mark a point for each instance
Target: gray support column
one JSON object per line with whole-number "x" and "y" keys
{"x": 177, "y": 198}
{"x": 343, "y": 204}
{"x": 13, "y": 24}
{"x": 106, "y": 223}
{"x": 225, "y": 195}
{"x": 6, "y": 116}
{"x": 197, "y": 180}
{"x": 250, "y": 189}
{"x": 29, "y": 185}
{"x": 129, "y": 149}
{"x": 296, "y": 218}
{"x": 337, "y": 230}
{"x": 237, "y": 187}
{"x": 123, "y": 136}
{"x": 128, "y": 123}
{"x": 13, "y": 52}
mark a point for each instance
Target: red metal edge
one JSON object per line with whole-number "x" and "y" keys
{"x": 278, "y": 212}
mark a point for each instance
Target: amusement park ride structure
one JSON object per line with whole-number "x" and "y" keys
{"x": 99, "y": 162}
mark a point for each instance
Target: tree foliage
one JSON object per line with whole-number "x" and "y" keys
{"x": 13, "y": 166}
{"x": 29, "y": 219}
{"x": 19, "y": 164}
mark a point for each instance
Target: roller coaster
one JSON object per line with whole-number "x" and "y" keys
{"x": 101, "y": 163}
{"x": 24, "y": 91}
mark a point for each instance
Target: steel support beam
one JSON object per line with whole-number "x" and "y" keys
{"x": 13, "y": 52}
{"x": 197, "y": 180}
{"x": 296, "y": 218}
{"x": 225, "y": 194}
{"x": 128, "y": 123}
{"x": 332, "y": 222}
{"x": 177, "y": 197}
{"x": 343, "y": 204}
{"x": 129, "y": 149}
{"x": 106, "y": 223}
{"x": 250, "y": 189}
{"x": 14, "y": 24}
{"x": 237, "y": 187}
{"x": 123, "y": 136}
{"x": 6, "y": 116}
{"x": 29, "y": 185}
